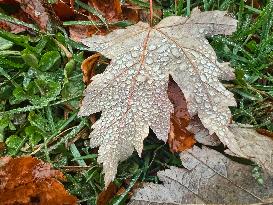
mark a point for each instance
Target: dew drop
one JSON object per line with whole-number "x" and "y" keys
{"x": 149, "y": 61}
{"x": 152, "y": 47}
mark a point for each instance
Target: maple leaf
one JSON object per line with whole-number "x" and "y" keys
{"x": 208, "y": 178}
{"x": 132, "y": 91}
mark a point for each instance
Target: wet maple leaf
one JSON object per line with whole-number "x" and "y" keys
{"x": 27, "y": 180}
{"x": 132, "y": 91}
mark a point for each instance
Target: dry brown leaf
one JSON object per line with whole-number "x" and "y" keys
{"x": 179, "y": 138}
{"x": 27, "y": 180}
{"x": 135, "y": 13}
{"x": 19, "y": 14}
{"x": 2, "y": 147}
{"x": 208, "y": 178}
{"x": 30, "y": 10}
{"x": 112, "y": 11}
{"x": 109, "y": 9}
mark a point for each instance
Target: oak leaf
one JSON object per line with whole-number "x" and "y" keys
{"x": 208, "y": 178}
{"x": 132, "y": 91}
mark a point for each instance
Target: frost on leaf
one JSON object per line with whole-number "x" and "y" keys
{"x": 132, "y": 91}
{"x": 208, "y": 178}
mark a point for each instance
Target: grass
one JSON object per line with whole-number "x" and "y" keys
{"x": 41, "y": 88}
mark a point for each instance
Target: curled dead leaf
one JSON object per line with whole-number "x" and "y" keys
{"x": 87, "y": 67}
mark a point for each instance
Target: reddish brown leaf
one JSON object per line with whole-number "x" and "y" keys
{"x": 36, "y": 10}
{"x": 30, "y": 10}
{"x": 131, "y": 13}
{"x": 180, "y": 138}
{"x": 77, "y": 33}
{"x": 111, "y": 9}
{"x": 88, "y": 67}
{"x": 28, "y": 180}
{"x": 136, "y": 13}
{"x": 19, "y": 14}
{"x": 63, "y": 11}
{"x": 106, "y": 195}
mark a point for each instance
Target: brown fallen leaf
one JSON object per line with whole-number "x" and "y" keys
{"x": 111, "y": 9}
{"x": 19, "y": 14}
{"x": 2, "y": 146}
{"x": 131, "y": 13}
{"x": 179, "y": 138}
{"x": 87, "y": 67}
{"x": 36, "y": 10}
{"x": 106, "y": 195}
{"x": 28, "y": 180}
{"x": 63, "y": 11}
{"x": 30, "y": 10}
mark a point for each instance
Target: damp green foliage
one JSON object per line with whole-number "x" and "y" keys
{"x": 41, "y": 89}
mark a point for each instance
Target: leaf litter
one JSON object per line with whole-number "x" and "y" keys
{"x": 202, "y": 135}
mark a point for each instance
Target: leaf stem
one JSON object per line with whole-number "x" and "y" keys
{"x": 151, "y": 12}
